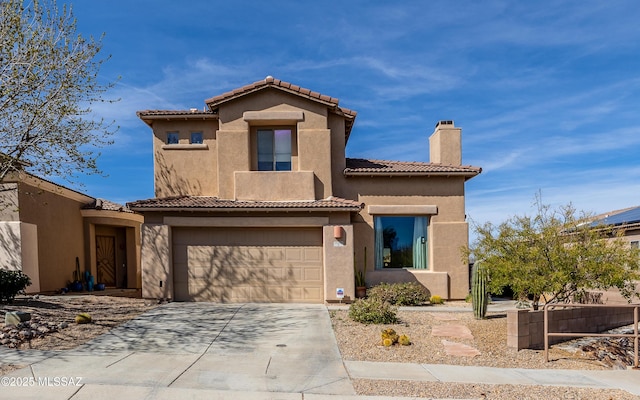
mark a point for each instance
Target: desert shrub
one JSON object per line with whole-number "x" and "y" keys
{"x": 372, "y": 311}
{"x": 435, "y": 299}
{"x": 12, "y": 283}
{"x": 400, "y": 294}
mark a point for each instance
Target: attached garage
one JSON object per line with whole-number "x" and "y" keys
{"x": 248, "y": 264}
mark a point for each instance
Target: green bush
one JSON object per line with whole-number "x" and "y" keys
{"x": 372, "y": 311}
{"x": 12, "y": 283}
{"x": 400, "y": 294}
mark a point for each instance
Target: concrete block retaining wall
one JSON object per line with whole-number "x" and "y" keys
{"x": 525, "y": 328}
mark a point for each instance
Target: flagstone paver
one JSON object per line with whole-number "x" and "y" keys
{"x": 459, "y": 349}
{"x": 452, "y": 330}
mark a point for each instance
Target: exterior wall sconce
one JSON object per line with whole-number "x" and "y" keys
{"x": 337, "y": 232}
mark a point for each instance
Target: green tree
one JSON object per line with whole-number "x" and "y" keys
{"x": 555, "y": 254}
{"x": 48, "y": 84}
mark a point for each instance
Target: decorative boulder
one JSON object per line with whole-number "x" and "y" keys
{"x": 13, "y": 318}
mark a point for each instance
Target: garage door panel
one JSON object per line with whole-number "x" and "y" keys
{"x": 243, "y": 265}
{"x": 312, "y": 275}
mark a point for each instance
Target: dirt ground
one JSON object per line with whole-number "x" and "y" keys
{"x": 57, "y": 315}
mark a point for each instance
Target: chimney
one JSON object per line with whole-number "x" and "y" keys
{"x": 445, "y": 144}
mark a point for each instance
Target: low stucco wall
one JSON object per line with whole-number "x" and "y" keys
{"x": 437, "y": 283}
{"x": 525, "y": 328}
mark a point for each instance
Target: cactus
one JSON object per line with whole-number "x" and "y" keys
{"x": 83, "y": 318}
{"x": 404, "y": 340}
{"x": 389, "y": 335}
{"x": 479, "y": 291}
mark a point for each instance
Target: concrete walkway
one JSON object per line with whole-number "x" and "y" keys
{"x": 251, "y": 351}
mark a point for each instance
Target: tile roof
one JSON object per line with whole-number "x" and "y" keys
{"x": 360, "y": 166}
{"x": 148, "y": 115}
{"x": 102, "y": 204}
{"x": 270, "y": 81}
{"x": 213, "y": 203}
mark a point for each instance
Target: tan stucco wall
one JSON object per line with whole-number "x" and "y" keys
{"x": 157, "y": 263}
{"x": 445, "y": 145}
{"x": 60, "y": 232}
{"x": 185, "y": 169}
{"x": 9, "y": 202}
{"x": 19, "y": 250}
{"x": 274, "y": 185}
{"x": 233, "y": 155}
{"x": 30, "y": 262}
{"x": 338, "y": 262}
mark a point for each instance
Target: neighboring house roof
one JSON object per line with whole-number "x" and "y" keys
{"x": 629, "y": 216}
{"x": 360, "y": 166}
{"x": 271, "y": 82}
{"x": 209, "y": 203}
{"x": 102, "y": 204}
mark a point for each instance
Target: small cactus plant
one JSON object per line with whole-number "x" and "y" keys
{"x": 389, "y": 335}
{"x": 83, "y": 318}
{"x": 387, "y": 342}
{"x": 404, "y": 340}
{"x": 435, "y": 299}
{"x": 479, "y": 290}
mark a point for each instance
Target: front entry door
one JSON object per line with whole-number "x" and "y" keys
{"x": 106, "y": 257}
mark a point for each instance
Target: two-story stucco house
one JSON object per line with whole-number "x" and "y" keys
{"x": 256, "y": 201}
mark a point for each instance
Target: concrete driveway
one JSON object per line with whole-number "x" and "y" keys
{"x": 198, "y": 349}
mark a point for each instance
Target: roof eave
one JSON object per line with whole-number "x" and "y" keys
{"x": 245, "y": 209}
{"x": 148, "y": 119}
{"x": 468, "y": 175}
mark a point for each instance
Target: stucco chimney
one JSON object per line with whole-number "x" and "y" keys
{"x": 445, "y": 144}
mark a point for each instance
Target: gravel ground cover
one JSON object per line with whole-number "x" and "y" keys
{"x": 358, "y": 342}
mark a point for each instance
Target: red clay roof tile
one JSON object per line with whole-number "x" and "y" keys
{"x": 213, "y": 203}
{"x": 361, "y": 166}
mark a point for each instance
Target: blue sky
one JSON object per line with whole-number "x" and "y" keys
{"x": 547, "y": 93}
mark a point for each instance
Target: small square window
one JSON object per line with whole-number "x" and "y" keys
{"x": 196, "y": 137}
{"x": 635, "y": 244}
{"x": 172, "y": 138}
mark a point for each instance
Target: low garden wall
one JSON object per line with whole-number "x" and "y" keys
{"x": 525, "y": 328}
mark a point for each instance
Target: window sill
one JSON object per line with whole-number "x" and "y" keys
{"x": 185, "y": 147}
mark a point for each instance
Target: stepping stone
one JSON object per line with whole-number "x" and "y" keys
{"x": 444, "y": 317}
{"x": 452, "y": 330}
{"x": 459, "y": 349}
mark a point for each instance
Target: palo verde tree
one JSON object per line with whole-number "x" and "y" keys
{"x": 555, "y": 254}
{"x": 48, "y": 84}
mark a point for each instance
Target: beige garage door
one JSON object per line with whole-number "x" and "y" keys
{"x": 248, "y": 265}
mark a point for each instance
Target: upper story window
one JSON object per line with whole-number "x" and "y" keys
{"x": 274, "y": 149}
{"x": 173, "y": 138}
{"x": 196, "y": 138}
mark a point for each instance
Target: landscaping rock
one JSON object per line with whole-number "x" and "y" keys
{"x": 13, "y": 318}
